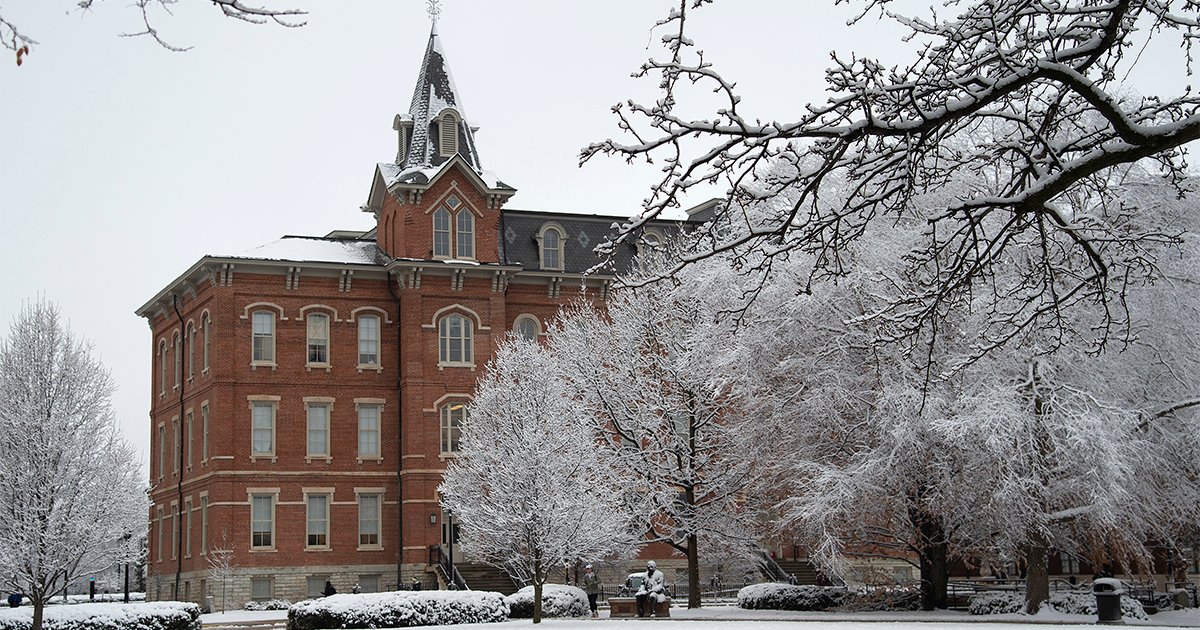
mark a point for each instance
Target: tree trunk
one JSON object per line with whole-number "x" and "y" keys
{"x": 538, "y": 580}
{"x": 693, "y": 568}
{"x": 39, "y": 606}
{"x": 1037, "y": 573}
{"x": 934, "y": 559}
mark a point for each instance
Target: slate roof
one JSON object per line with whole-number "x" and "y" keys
{"x": 519, "y": 245}
{"x": 433, "y": 93}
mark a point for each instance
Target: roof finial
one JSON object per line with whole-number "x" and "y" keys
{"x": 434, "y": 11}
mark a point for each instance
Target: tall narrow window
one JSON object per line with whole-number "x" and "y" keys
{"x": 264, "y": 337}
{"x": 176, "y": 443}
{"x": 188, "y": 421}
{"x": 465, "y": 227}
{"x": 187, "y": 528}
{"x": 178, "y": 358}
{"x": 203, "y": 525}
{"x": 368, "y": 340}
{"x": 206, "y": 324}
{"x": 318, "y": 338}
{"x": 263, "y": 429}
{"x": 203, "y": 432}
{"x": 551, "y": 239}
{"x": 318, "y": 520}
{"x": 368, "y": 520}
{"x": 448, "y": 134}
{"x": 162, "y": 367}
{"x": 162, "y": 450}
{"x": 318, "y": 430}
{"x": 441, "y": 233}
{"x": 262, "y": 520}
{"x": 175, "y": 531}
{"x": 455, "y": 340}
{"x": 368, "y": 431}
{"x": 191, "y": 351}
{"x": 453, "y": 415}
{"x": 158, "y": 538}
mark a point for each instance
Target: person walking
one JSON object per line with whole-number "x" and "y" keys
{"x": 651, "y": 590}
{"x": 591, "y": 586}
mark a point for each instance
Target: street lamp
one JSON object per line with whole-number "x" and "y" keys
{"x": 127, "y": 536}
{"x": 450, "y": 541}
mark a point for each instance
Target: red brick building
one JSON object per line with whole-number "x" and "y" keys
{"x": 308, "y": 393}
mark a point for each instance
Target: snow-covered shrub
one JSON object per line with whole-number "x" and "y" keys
{"x": 1067, "y": 603}
{"x": 106, "y": 616}
{"x": 269, "y": 604}
{"x": 771, "y": 596}
{"x": 400, "y": 609}
{"x": 884, "y": 598}
{"x": 557, "y": 601}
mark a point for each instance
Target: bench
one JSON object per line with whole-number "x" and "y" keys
{"x": 627, "y": 607}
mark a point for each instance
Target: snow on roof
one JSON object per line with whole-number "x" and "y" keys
{"x": 312, "y": 249}
{"x": 393, "y": 174}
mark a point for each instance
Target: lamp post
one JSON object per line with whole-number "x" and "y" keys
{"x": 450, "y": 553}
{"x": 127, "y": 536}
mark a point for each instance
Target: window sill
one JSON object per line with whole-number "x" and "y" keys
{"x": 377, "y": 460}
{"x": 254, "y": 365}
{"x": 318, "y": 458}
{"x": 318, "y": 549}
{"x": 319, "y": 366}
{"x": 445, "y": 456}
{"x": 255, "y": 458}
{"x": 370, "y": 548}
{"x": 204, "y": 372}
{"x": 443, "y": 365}
{"x": 263, "y": 550}
{"x": 370, "y": 367}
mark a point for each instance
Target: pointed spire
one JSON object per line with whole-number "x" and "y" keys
{"x": 436, "y": 127}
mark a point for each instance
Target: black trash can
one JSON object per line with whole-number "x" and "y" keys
{"x": 1108, "y": 600}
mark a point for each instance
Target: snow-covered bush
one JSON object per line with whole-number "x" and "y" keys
{"x": 269, "y": 604}
{"x": 557, "y": 601}
{"x": 879, "y": 599}
{"x": 106, "y": 616}
{"x": 771, "y": 596}
{"x": 400, "y": 609}
{"x": 1067, "y": 603}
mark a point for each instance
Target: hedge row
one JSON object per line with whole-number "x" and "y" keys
{"x": 558, "y": 600}
{"x": 1067, "y": 603}
{"x": 155, "y": 616}
{"x": 400, "y": 609}
{"x": 772, "y": 596}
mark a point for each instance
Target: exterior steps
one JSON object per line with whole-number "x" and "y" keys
{"x": 805, "y": 571}
{"x": 482, "y": 577}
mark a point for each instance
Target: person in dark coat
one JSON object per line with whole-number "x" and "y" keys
{"x": 329, "y": 590}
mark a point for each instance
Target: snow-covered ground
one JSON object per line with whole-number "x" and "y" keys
{"x": 720, "y": 617}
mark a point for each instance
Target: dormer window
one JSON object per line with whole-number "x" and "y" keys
{"x": 448, "y": 133}
{"x": 551, "y": 240}
{"x": 453, "y": 230}
{"x": 403, "y": 127}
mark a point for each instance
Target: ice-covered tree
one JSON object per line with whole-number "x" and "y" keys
{"x": 1026, "y": 93}
{"x": 221, "y": 567}
{"x": 530, "y": 486}
{"x": 72, "y": 496}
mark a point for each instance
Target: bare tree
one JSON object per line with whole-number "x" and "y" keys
{"x": 72, "y": 492}
{"x": 13, "y": 39}
{"x": 1024, "y": 94}
{"x": 532, "y": 491}
{"x": 221, "y": 565}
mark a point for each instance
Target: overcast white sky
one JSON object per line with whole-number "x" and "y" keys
{"x": 122, "y": 163}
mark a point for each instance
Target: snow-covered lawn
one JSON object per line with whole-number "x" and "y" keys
{"x": 720, "y": 617}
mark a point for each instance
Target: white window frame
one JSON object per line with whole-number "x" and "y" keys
{"x": 272, "y": 496}
{"x": 263, "y": 402}
{"x": 448, "y": 140}
{"x": 178, "y": 343}
{"x": 158, "y": 538}
{"x": 259, "y": 350}
{"x": 191, "y": 351}
{"x": 162, "y": 367}
{"x": 204, "y": 413}
{"x": 189, "y": 420}
{"x": 450, "y": 431}
{"x": 325, "y": 495}
{"x": 261, "y": 579}
{"x": 375, "y": 495}
{"x": 464, "y": 233}
{"x": 176, "y": 444}
{"x": 448, "y": 232}
{"x": 466, "y": 341}
{"x": 174, "y": 530}
{"x": 326, "y": 406}
{"x": 206, "y": 326}
{"x": 203, "y": 523}
{"x": 533, "y": 321}
{"x": 363, "y": 410}
{"x": 187, "y": 527}
{"x": 319, "y": 345}
{"x": 560, "y": 250}
{"x": 378, "y": 335}
{"x": 162, "y": 450}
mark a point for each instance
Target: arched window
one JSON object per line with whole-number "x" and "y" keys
{"x": 318, "y": 338}
{"x": 648, "y": 246}
{"x": 162, "y": 366}
{"x": 527, "y": 327}
{"x": 454, "y": 415}
{"x": 441, "y": 233}
{"x": 465, "y": 226}
{"x": 191, "y": 341}
{"x": 205, "y": 324}
{"x": 178, "y": 358}
{"x": 263, "y": 350}
{"x": 455, "y": 340}
{"x": 448, "y": 134}
{"x": 551, "y": 239}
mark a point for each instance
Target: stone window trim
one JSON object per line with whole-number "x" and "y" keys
{"x": 560, "y": 250}
{"x": 271, "y": 456}
{"x": 446, "y": 407}
{"x": 248, "y": 314}
{"x": 177, "y": 344}
{"x": 190, "y": 335}
{"x": 472, "y": 318}
{"x": 260, "y": 492}
{"x": 314, "y": 319}
{"x": 175, "y": 529}
{"x": 162, "y": 449}
{"x": 529, "y": 317}
{"x": 328, "y": 494}
{"x": 381, "y": 318}
{"x": 369, "y": 310}
{"x": 187, "y": 527}
{"x": 205, "y": 416}
{"x": 448, "y": 133}
{"x": 327, "y": 402}
{"x": 176, "y": 443}
{"x": 189, "y": 428}
{"x": 203, "y": 503}
{"x": 318, "y": 308}
{"x": 162, "y": 367}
